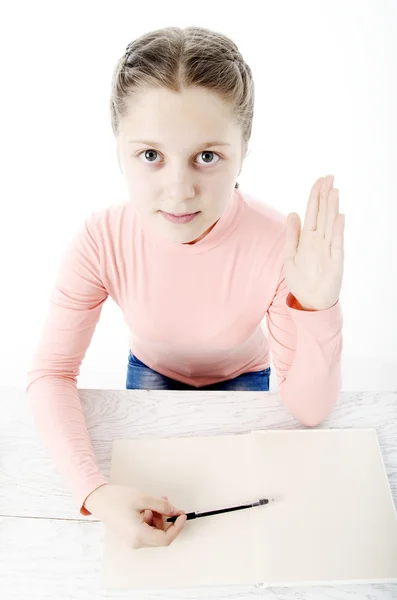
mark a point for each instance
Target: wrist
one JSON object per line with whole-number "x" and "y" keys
{"x": 92, "y": 498}
{"x": 298, "y": 306}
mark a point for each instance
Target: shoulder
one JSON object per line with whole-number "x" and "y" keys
{"x": 110, "y": 214}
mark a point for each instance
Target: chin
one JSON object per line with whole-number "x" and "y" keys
{"x": 181, "y": 234}
{"x": 183, "y": 238}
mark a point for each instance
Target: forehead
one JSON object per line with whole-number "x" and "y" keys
{"x": 195, "y": 111}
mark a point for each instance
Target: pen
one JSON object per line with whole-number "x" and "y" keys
{"x": 197, "y": 515}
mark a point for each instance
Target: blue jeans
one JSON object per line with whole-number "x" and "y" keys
{"x": 142, "y": 377}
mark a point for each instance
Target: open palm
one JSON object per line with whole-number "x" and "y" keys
{"x": 314, "y": 255}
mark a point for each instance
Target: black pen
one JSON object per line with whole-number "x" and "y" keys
{"x": 197, "y": 515}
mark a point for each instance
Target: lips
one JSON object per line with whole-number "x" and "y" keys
{"x": 179, "y": 218}
{"x": 180, "y": 215}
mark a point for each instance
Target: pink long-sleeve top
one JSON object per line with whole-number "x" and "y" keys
{"x": 194, "y": 314}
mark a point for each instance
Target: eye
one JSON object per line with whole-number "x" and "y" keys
{"x": 148, "y": 154}
{"x": 151, "y": 155}
{"x": 210, "y": 153}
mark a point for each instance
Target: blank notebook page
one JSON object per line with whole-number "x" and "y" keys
{"x": 335, "y": 518}
{"x": 197, "y": 474}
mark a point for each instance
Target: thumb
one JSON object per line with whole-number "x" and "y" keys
{"x": 155, "y": 503}
{"x": 293, "y": 228}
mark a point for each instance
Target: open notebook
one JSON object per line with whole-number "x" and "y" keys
{"x": 333, "y": 520}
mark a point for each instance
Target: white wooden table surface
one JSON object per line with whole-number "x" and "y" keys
{"x": 48, "y": 550}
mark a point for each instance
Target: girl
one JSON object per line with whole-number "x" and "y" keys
{"x": 194, "y": 264}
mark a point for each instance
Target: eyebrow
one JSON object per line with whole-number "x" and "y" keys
{"x": 158, "y": 145}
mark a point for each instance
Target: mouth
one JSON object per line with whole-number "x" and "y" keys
{"x": 179, "y": 218}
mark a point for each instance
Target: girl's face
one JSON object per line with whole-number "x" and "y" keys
{"x": 180, "y": 154}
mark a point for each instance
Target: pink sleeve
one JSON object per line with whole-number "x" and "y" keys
{"x": 306, "y": 348}
{"x": 74, "y": 311}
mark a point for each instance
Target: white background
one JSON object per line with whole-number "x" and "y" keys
{"x": 326, "y": 97}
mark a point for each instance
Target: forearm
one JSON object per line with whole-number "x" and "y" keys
{"x": 59, "y": 418}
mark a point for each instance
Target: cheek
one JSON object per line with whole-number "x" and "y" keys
{"x": 141, "y": 193}
{"x": 142, "y": 204}
{"x": 141, "y": 186}
{"x": 219, "y": 203}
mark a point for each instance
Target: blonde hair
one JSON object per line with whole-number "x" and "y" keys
{"x": 176, "y": 58}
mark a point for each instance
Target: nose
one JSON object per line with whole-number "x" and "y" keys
{"x": 178, "y": 189}
{"x": 178, "y": 198}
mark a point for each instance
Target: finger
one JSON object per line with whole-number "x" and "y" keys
{"x": 292, "y": 236}
{"x": 155, "y": 503}
{"x": 158, "y": 521}
{"x": 175, "y": 529}
{"x": 157, "y": 537}
{"x": 160, "y": 524}
{"x": 323, "y": 204}
{"x": 337, "y": 243}
{"x": 177, "y": 513}
{"x": 310, "y": 222}
{"x": 148, "y": 517}
{"x": 332, "y": 213}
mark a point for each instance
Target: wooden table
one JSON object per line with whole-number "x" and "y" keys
{"x": 49, "y": 551}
